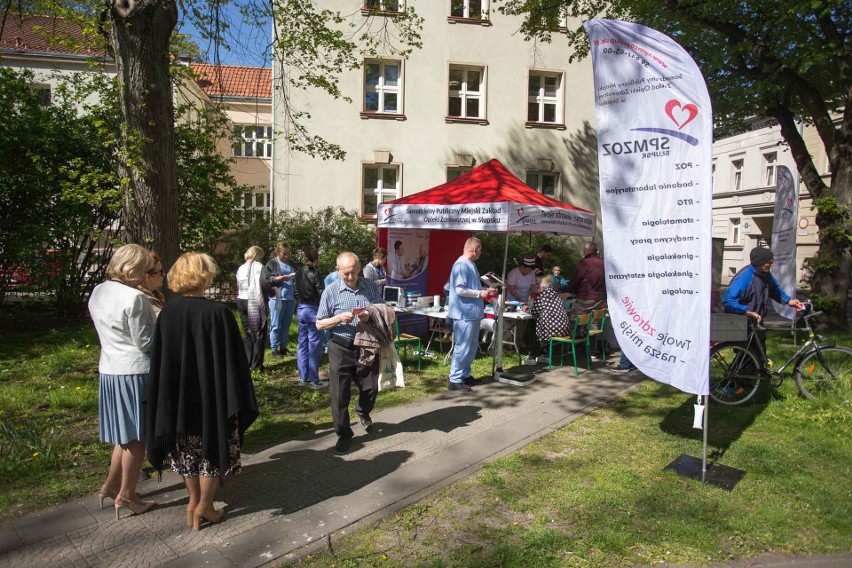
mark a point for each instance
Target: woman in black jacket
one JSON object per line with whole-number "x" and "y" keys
{"x": 200, "y": 396}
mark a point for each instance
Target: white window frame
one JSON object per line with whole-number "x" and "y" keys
{"x": 379, "y": 190}
{"x": 539, "y": 185}
{"x": 381, "y": 6}
{"x": 255, "y": 205}
{"x": 246, "y": 137}
{"x": 770, "y": 162}
{"x": 541, "y": 99}
{"x": 484, "y": 6}
{"x": 736, "y": 231}
{"x": 737, "y": 177}
{"x": 465, "y": 93}
{"x": 381, "y": 88}
{"x": 713, "y": 176}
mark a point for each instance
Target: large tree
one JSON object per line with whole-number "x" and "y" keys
{"x": 312, "y": 45}
{"x": 783, "y": 59}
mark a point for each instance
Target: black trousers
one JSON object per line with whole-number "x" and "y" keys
{"x": 254, "y": 341}
{"x": 344, "y": 370}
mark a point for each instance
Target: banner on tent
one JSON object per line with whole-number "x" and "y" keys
{"x": 535, "y": 219}
{"x": 466, "y": 217}
{"x": 784, "y": 238}
{"x": 655, "y": 160}
{"x": 490, "y": 217}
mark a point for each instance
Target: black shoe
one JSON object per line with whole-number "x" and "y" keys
{"x": 366, "y": 423}
{"x": 277, "y": 354}
{"x": 285, "y": 352}
{"x": 469, "y": 381}
{"x": 343, "y": 443}
{"x": 458, "y": 386}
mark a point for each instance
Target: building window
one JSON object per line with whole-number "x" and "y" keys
{"x": 43, "y": 92}
{"x": 737, "y": 182}
{"x": 770, "y": 162}
{"x": 383, "y": 87}
{"x": 254, "y": 205}
{"x": 455, "y": 171}
{"x": 736, "y": 231}
{"x": 386, "y": 6}
{"x": 713, "y": 176}
{"x": 380, "y": 184}
{"x": 470, "y": 9}
{"x": 466, "y": 92}
{"x": 546, "y": 183}
{"x": 252, "y": 141}
{"x": 544, "y": 98}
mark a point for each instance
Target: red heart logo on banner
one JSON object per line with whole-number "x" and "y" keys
{"x": 690, "y": 109}
{"x": 387, "y": 212}
{"x": 520, "y": 212}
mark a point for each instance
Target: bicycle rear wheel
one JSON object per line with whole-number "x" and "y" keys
{"x": 822, "y": 374}
{"x": 734, "y": 374}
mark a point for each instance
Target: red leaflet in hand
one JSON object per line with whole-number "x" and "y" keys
{"x": 357, "y": 311}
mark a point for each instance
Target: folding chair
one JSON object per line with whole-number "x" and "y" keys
{"x": 408, "y": 340}
{"x": 581, "y": 323}
{"x": 439, "y": 331}
{"x": 596, "y": 327}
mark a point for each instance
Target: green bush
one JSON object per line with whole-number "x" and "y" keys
{"x": 331, "y": 230}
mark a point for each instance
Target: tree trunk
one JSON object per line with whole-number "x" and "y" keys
{"x": 834, "y": 259}
{"x": 140, "y": 35}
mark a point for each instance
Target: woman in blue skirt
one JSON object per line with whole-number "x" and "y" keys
{"x": 125, "y": 322}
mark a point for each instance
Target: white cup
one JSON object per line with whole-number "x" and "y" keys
{"x": 436, "y": 301}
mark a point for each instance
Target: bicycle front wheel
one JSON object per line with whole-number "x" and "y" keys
{"x": 821, "y": 374}
{"x": 734, "y": 374}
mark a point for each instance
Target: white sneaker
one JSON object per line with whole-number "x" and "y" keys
{"x": 596, "y": 358}
{"x": 319, "y": 385}
{"x": 530, "y": 361}
{"x": 302, "y": 383}
{"x": 542, "y": 359}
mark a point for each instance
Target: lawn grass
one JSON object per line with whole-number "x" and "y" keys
{"x": 49, "y": 447}
{"x": 595, "y": 493}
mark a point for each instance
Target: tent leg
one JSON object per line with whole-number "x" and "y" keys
{"x": 498, "y": 329}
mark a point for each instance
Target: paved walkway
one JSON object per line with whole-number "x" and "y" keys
{"x": 299, "y": 492}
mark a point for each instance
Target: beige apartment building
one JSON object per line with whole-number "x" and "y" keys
{"x": 475, "y": 91}
{"x": 243, "y": 93}
{"x": 744, "y": 178}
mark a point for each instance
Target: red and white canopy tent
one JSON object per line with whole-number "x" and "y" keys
{"x": 488, "y": 198}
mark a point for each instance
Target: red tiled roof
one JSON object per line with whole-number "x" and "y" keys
{"x": 234, "y": 81}
{"x": 45, "y": 34}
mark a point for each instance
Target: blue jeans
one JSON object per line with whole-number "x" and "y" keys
{"x": 466, "y": 340}
{"x": 310, "y": 343}
{"x": 279, "y": 324}
{"x": 625, "y": 363}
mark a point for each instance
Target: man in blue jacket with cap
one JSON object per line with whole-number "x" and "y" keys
{"x": 753, "y": 286}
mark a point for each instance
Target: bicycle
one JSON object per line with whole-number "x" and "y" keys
{"x": 736, "y": 368}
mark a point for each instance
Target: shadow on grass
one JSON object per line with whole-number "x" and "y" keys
{"x": 725, "y": 423}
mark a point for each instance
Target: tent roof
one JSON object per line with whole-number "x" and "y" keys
{"x": 489, "y": 183}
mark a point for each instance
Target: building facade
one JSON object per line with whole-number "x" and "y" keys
{"x": 245, "y": 96}
{"x": 744, "y": 181}
{"x": 54, "y": 49}
{"x": 475, "y": 91}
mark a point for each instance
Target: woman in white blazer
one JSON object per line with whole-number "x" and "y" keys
{"x": 125, "y": 320}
